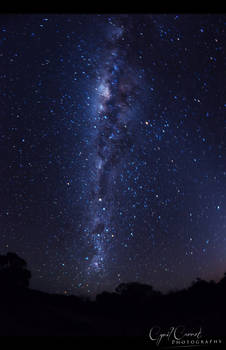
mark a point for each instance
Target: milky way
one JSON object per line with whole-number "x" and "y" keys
{"x": 115, "y": 97}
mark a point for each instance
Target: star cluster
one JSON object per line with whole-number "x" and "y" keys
{"x": 113, "y": 150}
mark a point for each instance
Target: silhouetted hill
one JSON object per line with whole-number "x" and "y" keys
{"x": 133, "y": 309}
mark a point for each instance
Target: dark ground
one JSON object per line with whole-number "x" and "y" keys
{"x": 130, "y": 311}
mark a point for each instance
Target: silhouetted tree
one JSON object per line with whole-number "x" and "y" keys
{"x": 13, "y": 271}
{"x": 222, "y": 282}
{"x": 109, "y": 301}
{"x": 134, "y": 290}
{"x": 200, "y": 285}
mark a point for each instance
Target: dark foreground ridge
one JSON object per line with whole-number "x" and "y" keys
{"x": 132, "y": 310}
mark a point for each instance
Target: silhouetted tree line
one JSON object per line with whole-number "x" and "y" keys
{"x": 132, "y": 309}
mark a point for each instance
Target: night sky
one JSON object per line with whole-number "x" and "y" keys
{"x": 113, "y": 156}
